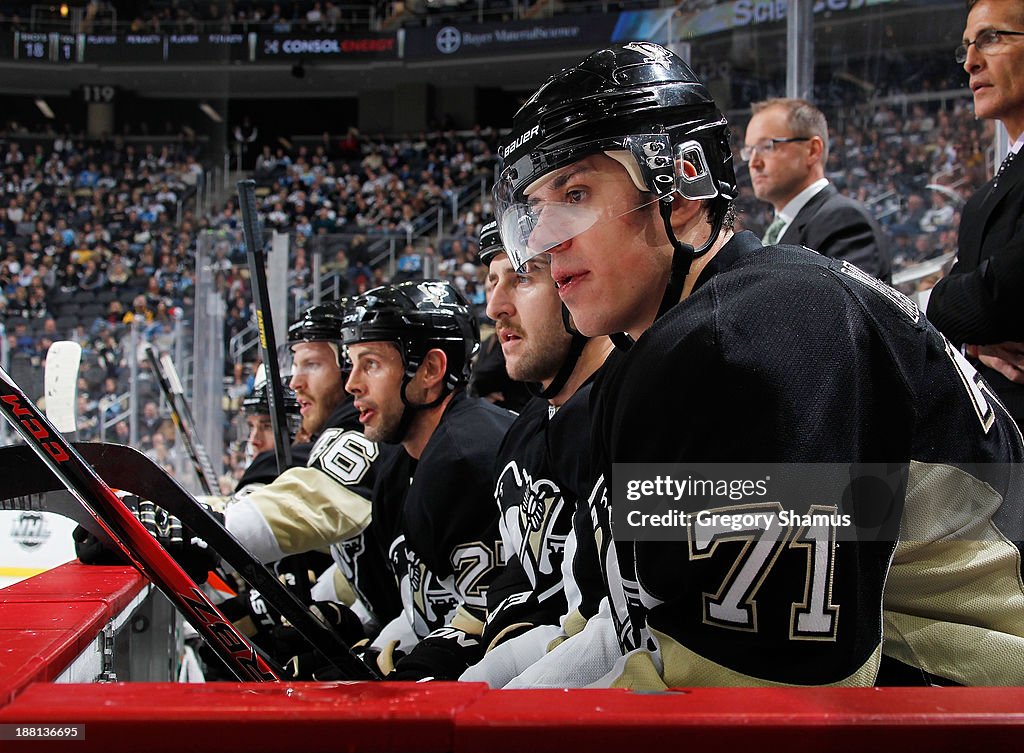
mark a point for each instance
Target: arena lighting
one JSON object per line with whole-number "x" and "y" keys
{"x": 44, "y": 109}
{"x": 211, "y": 113}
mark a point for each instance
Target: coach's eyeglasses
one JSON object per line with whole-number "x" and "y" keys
{"x": 767, "y": 146}
{"x": 989, "y": 39}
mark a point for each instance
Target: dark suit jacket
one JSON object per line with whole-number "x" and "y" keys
{"x": 981, "y": 300}
{"x": 837, "y": 226}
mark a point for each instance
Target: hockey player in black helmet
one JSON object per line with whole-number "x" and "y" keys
{"x": 489, "y": 377}
{"x": 325, "y": 503}
{"x": 262, "y": 468}
{"x": 619, "y": 168}
{"x": 410, "y": 347}
{"x": 551, "y": 583}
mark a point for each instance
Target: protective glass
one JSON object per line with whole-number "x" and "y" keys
{"x": 537, "y": 216}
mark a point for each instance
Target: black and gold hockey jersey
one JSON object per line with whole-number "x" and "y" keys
{"x": 783, "y": 356}
{"x": 437, "y": 518}
{"x": 542, "y": 473}
{"x": 325, "y": 504}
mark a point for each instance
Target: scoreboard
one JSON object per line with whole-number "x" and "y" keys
{"x": 157, "y": 48}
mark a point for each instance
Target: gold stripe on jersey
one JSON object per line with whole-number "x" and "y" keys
{"x": 572, "y": 623}
{"x": 342, "y": 588}
{"x": 685, "y": 668}
{"x": 954, "y": 595}
{"x": 505, "y": 632}
{"x": 307, "y": 509}
{"x": 466, "y": 622}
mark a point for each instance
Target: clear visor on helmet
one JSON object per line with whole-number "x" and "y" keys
{"x": 551, "y": 208}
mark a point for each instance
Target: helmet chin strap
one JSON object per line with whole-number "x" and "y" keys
{"x": 576, "y": 346}
{"x": 410, "y": 408}
{"x": 683, "y": 255}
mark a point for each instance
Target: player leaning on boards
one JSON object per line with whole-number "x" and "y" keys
{"x": 410, "y": 346}
{"x": 551, "y": 581}
{"x": 325, "y": 503}
{"x": 620, "y": 169}
{"x": 262, "y": 468}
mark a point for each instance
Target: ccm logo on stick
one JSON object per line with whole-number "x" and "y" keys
{"x": 37, "y": 430}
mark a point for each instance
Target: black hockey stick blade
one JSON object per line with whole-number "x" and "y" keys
{"x": 264, "y": 322}
{"x": 134, "y": 541}
{"x": 183, "y": 421}
{"x": 129, "y": 470}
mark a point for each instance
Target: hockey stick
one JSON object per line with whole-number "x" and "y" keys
{"x": 167, "y": 376}
{"x": 134, "y": 541}
{"x": 127, "y": 469}
{"x": 261, "y": 300}
{"x": 60, "y": 380}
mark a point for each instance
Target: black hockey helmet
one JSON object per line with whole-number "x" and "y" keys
{"x": 321, "y": 322}
{"x": 417, "y": 317}
{"x": 640, "y": 104}
{"x": 490, "y": 242}
{"x": 256, "y": 403}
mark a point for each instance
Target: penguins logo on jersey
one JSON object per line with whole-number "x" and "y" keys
{"x": 531, "y": 507}
{"x": 429, "y": 603}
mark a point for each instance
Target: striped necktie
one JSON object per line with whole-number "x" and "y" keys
{"x": 771, "y": 235}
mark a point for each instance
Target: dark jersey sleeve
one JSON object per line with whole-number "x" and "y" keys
{"x": 263, "y": 468}
{"x": 740, "y": 377}
{"x": 450, "y": 521}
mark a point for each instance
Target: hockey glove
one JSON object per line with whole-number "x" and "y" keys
{"x": 311, "y": 665}
{"x": 91, "y": 552}
{"x": 443, "y": 655}
{"x": 306, "y": 664}
{"x": 190, "y": 552}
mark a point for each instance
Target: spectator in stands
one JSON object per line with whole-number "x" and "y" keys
{"x": 978, "y": 304}
{"x": 86, "y": 422}
{"x": 140, "y": 313}
{"x": 908, "y": 219}
{"x": 109, "y": 403}
{"x": 786, "y": 145}
{"x": 150, "y": 421}
{"x": 940, "y": 215}
{"x": 91, "y": 278}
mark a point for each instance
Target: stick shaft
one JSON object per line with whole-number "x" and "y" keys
{"x": 264, "y": 322}
{"x": 171, "y": 387}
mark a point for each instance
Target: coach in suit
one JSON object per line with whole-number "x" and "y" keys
{"x": 980, "y": 303}
{"x": 786, "y": 147}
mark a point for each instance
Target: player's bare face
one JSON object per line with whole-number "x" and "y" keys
{"x": 611, "y": 276}
{"x": 528, "y": 319}
{"x": 376, "y": 384}
{"x": 316, "y": 379}
{"x": 261, "y": 433}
